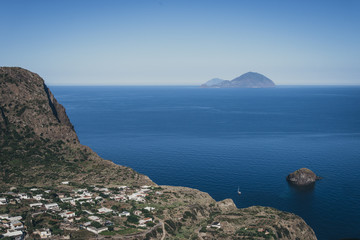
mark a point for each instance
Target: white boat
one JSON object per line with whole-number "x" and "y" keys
{"x": 239, "y": 191}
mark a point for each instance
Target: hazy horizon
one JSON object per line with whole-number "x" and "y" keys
{"x": 191, "y": 85}
{"x": 155, "y": 42}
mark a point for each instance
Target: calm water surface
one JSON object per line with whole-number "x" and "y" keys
{"x": 217, "y": 140}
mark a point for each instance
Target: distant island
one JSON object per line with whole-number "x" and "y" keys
{"x": 247, "y": 80}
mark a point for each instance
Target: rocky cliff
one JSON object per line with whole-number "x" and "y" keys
{"x": 38, "y": 144}
{"x": 39, "y": 147}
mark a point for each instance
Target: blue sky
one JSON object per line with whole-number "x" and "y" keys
{"x": 152, "y": 42}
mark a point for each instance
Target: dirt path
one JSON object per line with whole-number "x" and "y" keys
{"x": 164, "y": 232}
{"x": 197, "y": 231}
{"x": 138, "y": 234}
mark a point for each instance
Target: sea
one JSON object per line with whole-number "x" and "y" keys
{"x": 218, "y": 140}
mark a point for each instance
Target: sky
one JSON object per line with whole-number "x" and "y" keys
{"x": 181, "y": 42}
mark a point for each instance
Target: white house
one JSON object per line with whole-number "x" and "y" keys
{"x": 215, "y": 225}
{"x": 124, "y": 213}
{"x": 61, "y": 195}
{"x": 139, "y": 197}
{"x": 145, "y": 220}
{"x": 104, "y": 210}
{"x": 149, "y": 208}
{"x": 66, "y": 199}
{"x": 50, "y": 206}
{"x": 16, "y": 218}
{"x": 97, "y": 230}
{"x": 118, "y": 197}
{"x": 86, "y": 224}
{"x": 44, "y": 233}
{"x": 13, "y": 234}
{"x": 16, "y": 225}
{"x": 65, "y": 183}
{"x": 23, "y": 196}
{"x": 4, "y": 216}
{"x": 85, "y": 193}
{"x": 94, "y": 218}
{"x": 39, "y": 204}
{"x": 3, "y": 201}
{"x": 89, "y": 212}
{"x": 145, "y": 190}
{"x": 67, "y": 214}
{"x": 38, "y": 197}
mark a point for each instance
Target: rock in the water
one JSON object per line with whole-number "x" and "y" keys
{"x": 302, "y": 177}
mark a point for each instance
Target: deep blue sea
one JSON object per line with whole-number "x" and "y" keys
{"x": 217, "y": 140}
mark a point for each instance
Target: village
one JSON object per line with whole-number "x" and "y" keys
{"x": 63, "y": 212}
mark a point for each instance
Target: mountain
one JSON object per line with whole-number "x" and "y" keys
{"x": 213, "y": 82}
{"x": 38, "y": 143}
{"x": 247, "y": 80}
{"x": 39, "y": 149}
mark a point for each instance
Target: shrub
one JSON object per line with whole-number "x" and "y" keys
{"x": 133, "y": 219}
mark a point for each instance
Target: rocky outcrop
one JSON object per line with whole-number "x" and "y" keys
{"x": 247, "y": 80}
{"x": 38, "y": 143}
{"x": 302, "y": 177}
{"x": 226, "y": 205}
{"x": 26, "y": 101}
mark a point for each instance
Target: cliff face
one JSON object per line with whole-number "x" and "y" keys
{"x": 27, "y": 102}
{"x": 38, "y": 143}
{"x": 39, "y": 147}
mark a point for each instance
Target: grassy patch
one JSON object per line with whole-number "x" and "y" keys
{"x": 127, "y": 231}
{"x": 107, "y": 233}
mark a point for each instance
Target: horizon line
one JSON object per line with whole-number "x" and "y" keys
{"x": 186, "y": 85}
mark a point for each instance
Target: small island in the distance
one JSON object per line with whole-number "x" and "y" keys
{"x": 247, "y": 80}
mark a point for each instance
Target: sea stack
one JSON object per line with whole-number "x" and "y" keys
{"x": 302, "y": 177}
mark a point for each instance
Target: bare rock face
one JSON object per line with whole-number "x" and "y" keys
{"x": 38, "y": 143}
{"x": 302, "y": 177}
{"x": 226, "y": 205}
{"x": 27, "y": 102}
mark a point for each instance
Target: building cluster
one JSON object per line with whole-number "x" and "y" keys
{"x": 87, "y": 208}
